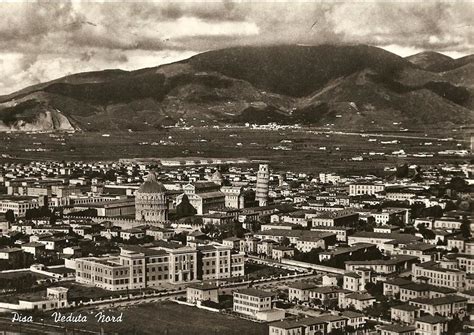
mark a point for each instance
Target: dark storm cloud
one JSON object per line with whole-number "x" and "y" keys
{"x": 40, "y": 41}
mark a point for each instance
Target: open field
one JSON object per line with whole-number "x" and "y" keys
{"x": 161, "y": 318}
{"x": 308, "y": 150}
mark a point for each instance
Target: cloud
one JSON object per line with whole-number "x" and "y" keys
{"x": 40, "y": 41}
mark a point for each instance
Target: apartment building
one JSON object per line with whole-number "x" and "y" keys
{"x": 19, "y": 205}
{"x": 202, "y": 292}
{"x": 431, "y": 325}
{"x": 344, "y": 218}
{"x": 404, "y": 313}
{"x": 300, "y": 291}
{"x": 365, "y": 189}
{"x": 256, "y": 304}
{"x": 444, "y": 306}
{"x": 359, "y": 301}
{"x": 432, "y": 273}
{"x": 219, "y": 261}
{"x": 139, "y": 267}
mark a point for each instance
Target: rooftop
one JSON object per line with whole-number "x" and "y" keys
{"x": 256, "y": 293}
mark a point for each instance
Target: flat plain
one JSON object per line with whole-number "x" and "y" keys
{"x": 308, "y": 150}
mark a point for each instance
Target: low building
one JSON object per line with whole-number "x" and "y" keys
{"x": 404, "y": 313}
{"x": 359, "y": 301}
{"x": 432, "y": 273}
{"x": 299, "y": 291}
{"x": 256, "y": 304}
{"x": 55, "y": 297}
{"x": 431, "y": 325}
{"x": 202, "y": 292}
{"x": 444, "y": 306}
{"x": 280, "y": 252}
{"x": 397, "y": 330}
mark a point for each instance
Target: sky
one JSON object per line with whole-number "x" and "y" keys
{"x": 41, "y": 41}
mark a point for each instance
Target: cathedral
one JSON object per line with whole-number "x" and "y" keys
{"x": 151, "y": 203}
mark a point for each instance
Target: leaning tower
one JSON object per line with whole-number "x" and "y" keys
{"x": 263, "y": 176}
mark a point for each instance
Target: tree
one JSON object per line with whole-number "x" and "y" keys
{"x": 417, "y": 210}
{"x": 375, "y": 289}
{"x": 458, "y": 184}
{"x": 185, "y": 208}
{"x": 402, "y": 171}
{"x": 285, "y": 241}
{"x": 10, "y": 216}
{"x": 466, "y": 228}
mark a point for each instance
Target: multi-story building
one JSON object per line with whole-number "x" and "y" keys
{"x": 341, "y": 232}
{"x": 299, "y": 291}
{"x": 355, "y": 281}
{"x": 404, "y": 313}
{"x": 256, "y": 304}
{"x": 359, "y": 301}
{"x": 432, "y": 273}
{"x": 365, "y": 188}
{"x": 159, "y": 233}
{"x": 139, "y": 267}
{"x": 397, "y": 330}
{"x": 219, "y": 261}
{"x": 444, "y": 306}
{"x": 431, "y": 325}
{"x": 19, "y": 205}
{"x": 345, "y": 218}
{"x": 199, "y": 292}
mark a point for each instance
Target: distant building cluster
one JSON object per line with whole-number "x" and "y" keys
{"x": 305, "y": 253}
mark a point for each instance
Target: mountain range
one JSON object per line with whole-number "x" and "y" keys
{"x": 345, "y": 86}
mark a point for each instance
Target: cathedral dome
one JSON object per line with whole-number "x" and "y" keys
{"x": 217, "y": 177}
{"x": 151, "y": 185}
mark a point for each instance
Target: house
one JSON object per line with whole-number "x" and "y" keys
{"x": 256, "y": 304}
{"x": 387, "y": 229}
{"x": 324, "y": 293}
{"x": 53, "y": 242}
{"x": 308, "y": 243}
{"x": 331, "y": 279}
{"x": 354, "y": 319}
{"x": 421, "y": 290}
{"x": 359, "y": 301}
{"x": 341, "y": 232}
{"x": 344, "y": 218}
{"x": 159, "y": 233}
{"x": 444, "y": 306}
{"x": 405, "y": 313}
{"x": 235, "y": 243}
{"x": 299, "y": 291}
{"x": 432, "y": 273}
{"x": 397, "y": 330}
{"x": 279, "y": 252}
{"x": 355, "y": 281}
{"x": 202, "y": 292}
{"x": 53, "y": 298}
{"x": 309, "y": 325}
{"x": 392, "y": 287}
{"x": 379, "y": 239}
{"x": 265, "y": 247}
{"x": 34, "y": 248}
{"x": 127, "y": 234}
{"x": 431, "y": 325}
{"x": 74, "y": 251}
{"x": 13, "y": 255}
